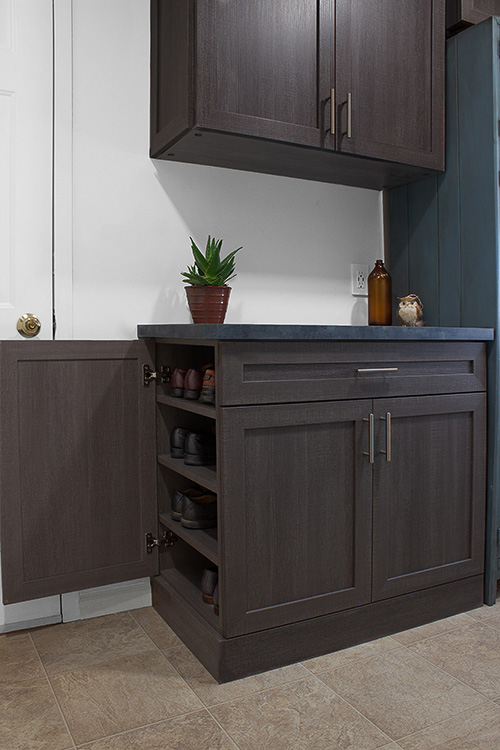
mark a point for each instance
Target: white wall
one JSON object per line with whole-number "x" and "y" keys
{"x": 132, "y": 216}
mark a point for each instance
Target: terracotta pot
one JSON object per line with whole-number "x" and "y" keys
{"x": 208, "y": 304}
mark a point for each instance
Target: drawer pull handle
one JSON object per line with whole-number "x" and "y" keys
{"x": 377, "y": 369}
{"x": 371, "y": 453}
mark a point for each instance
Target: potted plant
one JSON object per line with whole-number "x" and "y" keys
{"x": 208, "y": 293}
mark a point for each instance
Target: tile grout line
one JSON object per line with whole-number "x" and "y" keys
{"x": 223, "y": 729}
{"x": 53, "y": 693}
{"x": 442, "y": 721}
{"x": 141, "y": 726}
{"x": 379, "y": 729}
{"x": 449, "y": 674}
{"x": 453, "y": 716}
{"x": 258, "y": 692}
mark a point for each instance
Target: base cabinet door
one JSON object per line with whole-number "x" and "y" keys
{"x": 428, "y": 491}
{"x": 295, "y": 532}
{"x": 77, "y": 466}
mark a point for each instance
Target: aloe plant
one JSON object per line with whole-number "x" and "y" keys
{"x": 209, "y": 269}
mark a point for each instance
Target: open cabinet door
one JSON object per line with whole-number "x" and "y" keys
{"x": 77, "y": 466}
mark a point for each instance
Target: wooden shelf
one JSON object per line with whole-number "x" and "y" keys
{"x": 186, "y": 584}
{"x": 206, "y": 410}
{"x": 204, "y": 475}
{"x": 202, "y": 540}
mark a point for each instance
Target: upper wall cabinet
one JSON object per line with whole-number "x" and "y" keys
{"x": 463, "y": 13}
{"x": 301, "y": 88}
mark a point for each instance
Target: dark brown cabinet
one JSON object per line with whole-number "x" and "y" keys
{"x": 428, "y": 526}
{"x": 350, "y": 483}
{"x": 463, "y": 13}
{"x": 297, "y": 499}
{"x": 301, "y": 89}
{"x": 77, "y": 466}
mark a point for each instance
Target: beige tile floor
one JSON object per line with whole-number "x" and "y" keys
{"x": 126, "y": 682}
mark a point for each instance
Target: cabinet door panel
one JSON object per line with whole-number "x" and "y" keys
{"x": 390, "y": 59}
{"x": 77, "y": 471}
{"x": 265, "y": 68}
{"x": 296, "y": 513}
{"x": 428, "y": 501}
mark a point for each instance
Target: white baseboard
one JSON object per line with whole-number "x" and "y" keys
{"x": 106, "y": 600}
{"x": 25, "y": 624}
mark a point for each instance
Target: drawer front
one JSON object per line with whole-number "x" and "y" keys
{"x": 271, "y": 372}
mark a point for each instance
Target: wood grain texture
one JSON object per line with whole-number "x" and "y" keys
{"x": 273, "y": 372}
{"x": 171, "y": 101}
{"x": 428, "y": 502}
{"x": 77, "y": 466}
{"x": 231, "y": 658}
{"x": 295, "y": 513}
{"x": 390, "y": 58}
{"x": 248, "y": 86}
{"x": 265, "y": 69}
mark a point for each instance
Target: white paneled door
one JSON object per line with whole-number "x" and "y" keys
{"x": 26, "y": 105}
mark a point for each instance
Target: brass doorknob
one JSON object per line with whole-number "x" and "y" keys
{"x": 28, "y": 325}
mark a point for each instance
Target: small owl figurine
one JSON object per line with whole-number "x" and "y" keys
{"x": 410, "y": 311}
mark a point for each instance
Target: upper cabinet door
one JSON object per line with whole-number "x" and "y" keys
{"x": 266, "y": 68}
{"x": 389, "y": 78}
{"x": 77, "y": 466}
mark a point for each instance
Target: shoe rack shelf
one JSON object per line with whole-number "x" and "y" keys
{"x": 186, "y": 584}
{"x": 203, "y": 540}
{"x": 182, "y": 565}
{"x": 204, "y": 475}
{"x": 184, "y": 405}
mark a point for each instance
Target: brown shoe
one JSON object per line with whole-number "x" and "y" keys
{"x": 208, "y": 584}
{"x": 208, "y": 388}
{"x": 199, "y": 496}
{"x": 177, "y": 382}
{"x": 192, "y": 384}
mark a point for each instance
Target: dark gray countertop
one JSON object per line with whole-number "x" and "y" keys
{"x": 258, "y": 332}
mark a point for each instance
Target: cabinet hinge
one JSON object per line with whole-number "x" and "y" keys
{"x": 167, "y": 540}
{"x": 163, "y": 376}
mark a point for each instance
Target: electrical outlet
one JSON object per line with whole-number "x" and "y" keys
{"x": 359, "y": 279}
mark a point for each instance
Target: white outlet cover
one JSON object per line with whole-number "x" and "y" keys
{"x": 359, "y": 279}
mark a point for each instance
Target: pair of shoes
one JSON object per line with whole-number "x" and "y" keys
{"x": 208, "y": 584}
{"x": 190, "y": 383}
{"x": 195, "y": 448}
{"x": 195, "y": 509}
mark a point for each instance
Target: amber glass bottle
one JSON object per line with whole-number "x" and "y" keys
{"x": 379, "y": 296}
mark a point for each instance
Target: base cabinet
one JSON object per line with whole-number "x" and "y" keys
{"x": 349, "y": 480}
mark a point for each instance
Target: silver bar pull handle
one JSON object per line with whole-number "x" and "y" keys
{"x": 349, "y": 115}
{"x": 388, "y": 437}
{"x": 377, "y": 369}
{"x": 371, "y": 430}
{"x": 332, "y": 111}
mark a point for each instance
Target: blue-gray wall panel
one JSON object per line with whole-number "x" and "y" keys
{"x": 448, "y": 186}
